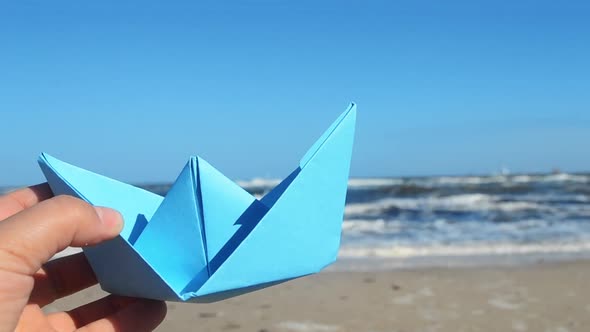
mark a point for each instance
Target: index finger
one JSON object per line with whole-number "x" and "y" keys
{"x": 16, "y": 201}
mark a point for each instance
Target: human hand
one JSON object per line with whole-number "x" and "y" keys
{"x": 34, "y": 226}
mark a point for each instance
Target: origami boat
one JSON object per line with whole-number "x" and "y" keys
{"x": 209, "y": 239}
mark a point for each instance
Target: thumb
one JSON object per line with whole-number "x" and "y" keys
{"x": 31, "y": 237}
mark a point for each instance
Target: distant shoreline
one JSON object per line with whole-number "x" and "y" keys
{"x": 373, "y": 264}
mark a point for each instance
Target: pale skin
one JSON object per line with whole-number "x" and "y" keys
{"x": 34, "y": 226}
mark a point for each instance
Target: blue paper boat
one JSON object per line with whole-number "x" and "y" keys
{"x": 209, "y": 239}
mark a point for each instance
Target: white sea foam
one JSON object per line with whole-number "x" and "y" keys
{"x": 258, "y": 183}
{"x": 467, "y": 180}
{"x": 462, "y": 250}
{"x": 550, "y": 197}
{"x": 458, "y": 203}
{"x": 522, "y": 179}
{"x": 369, "y": 226}
{"x": 478, "y": 180}
{"x": 355, "y": 183}
{"x": 367, "y": 183}
{"x": 564, "y": 177}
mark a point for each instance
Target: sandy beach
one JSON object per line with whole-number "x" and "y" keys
{"x": 552, "y": 297}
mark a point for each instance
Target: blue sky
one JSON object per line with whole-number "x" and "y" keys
{"x": 455, "y": 87}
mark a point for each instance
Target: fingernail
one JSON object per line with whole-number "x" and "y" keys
{"x": 110, "y": 218}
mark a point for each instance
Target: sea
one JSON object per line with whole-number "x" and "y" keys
{"x": 460, "y": 220}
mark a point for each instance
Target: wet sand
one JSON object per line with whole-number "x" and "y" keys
{"x": 551, "y": 297}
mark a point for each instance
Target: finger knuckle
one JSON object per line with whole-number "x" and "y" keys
{"x": 73, "y": 207}
{"x": 15, "y": 261}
